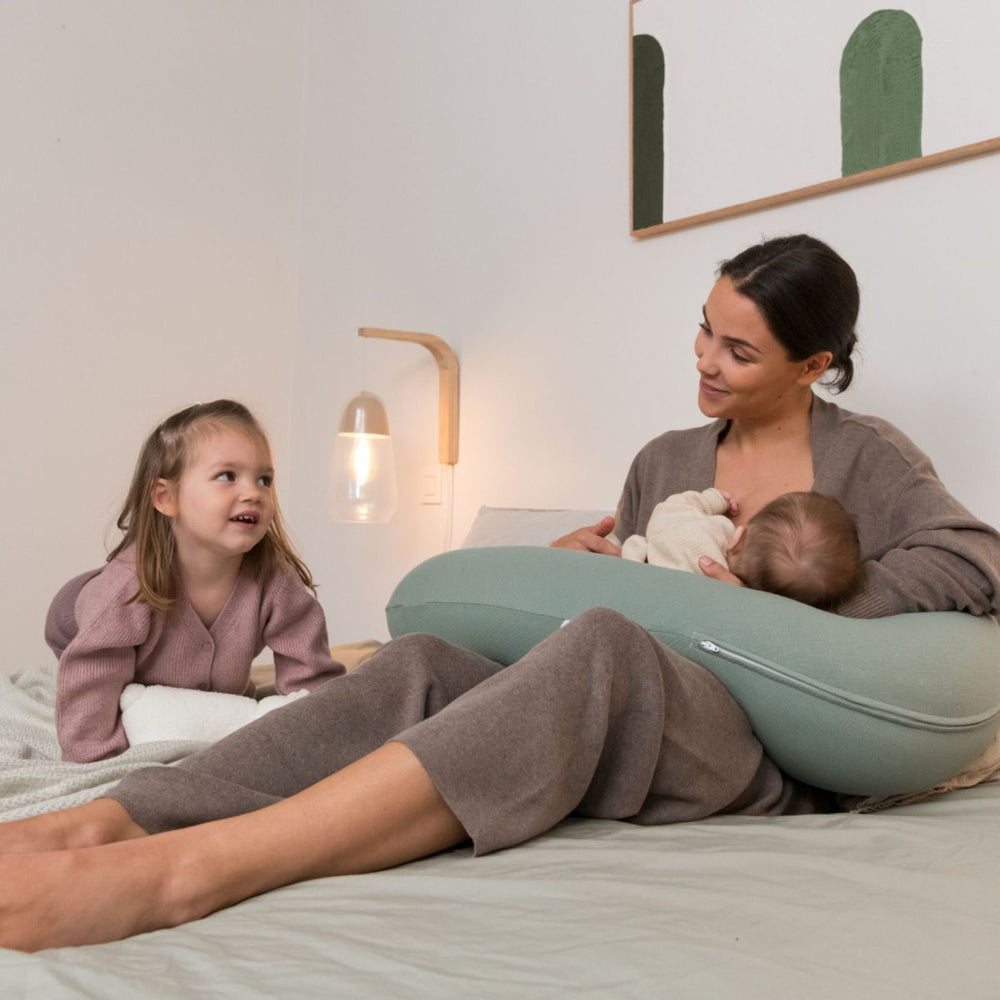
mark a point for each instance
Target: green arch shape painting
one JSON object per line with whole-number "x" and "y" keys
{"x": 881, "y": 92}
{"x": 648, "y": 78}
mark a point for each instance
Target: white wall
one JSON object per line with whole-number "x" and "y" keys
{"x": 149, "y": 212}
{"x": 467, "y": 175}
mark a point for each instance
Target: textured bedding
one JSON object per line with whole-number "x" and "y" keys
{"x": 33, "y": 778}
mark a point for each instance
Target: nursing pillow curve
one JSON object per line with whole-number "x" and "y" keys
{"x": 866, "y": 707}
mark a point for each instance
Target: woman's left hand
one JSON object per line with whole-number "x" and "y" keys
{"x": 717, "y": 571}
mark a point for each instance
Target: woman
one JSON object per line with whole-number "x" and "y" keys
{"x": 427, "y": 745}
{"x": 779, "y": 318}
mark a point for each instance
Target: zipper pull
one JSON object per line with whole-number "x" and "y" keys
{"x": 710, "y": 646}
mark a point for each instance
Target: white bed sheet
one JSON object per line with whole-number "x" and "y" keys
{"x": 899, "y": 904}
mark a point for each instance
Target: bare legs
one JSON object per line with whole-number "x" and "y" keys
{"x": 257, "y": 811}
{"x": 251, "y": 813}
{"x": 597, "y": 719}
{"x": 379, "y": 812}
{"x": 99, "y": 822}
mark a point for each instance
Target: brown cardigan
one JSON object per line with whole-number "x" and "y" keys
{"x": 923, "y": 550}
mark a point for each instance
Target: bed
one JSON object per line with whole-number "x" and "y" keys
{"x": 893, "y": 903}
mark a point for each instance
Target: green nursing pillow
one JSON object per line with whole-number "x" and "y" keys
{"x": 867, "y": 707}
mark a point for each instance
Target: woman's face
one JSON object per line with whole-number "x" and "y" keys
{"x": 745, "y": 372}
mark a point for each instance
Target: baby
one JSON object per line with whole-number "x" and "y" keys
{"x": 801, "y": 545}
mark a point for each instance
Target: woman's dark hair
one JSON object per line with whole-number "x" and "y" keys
{"x": 808, "y": 296}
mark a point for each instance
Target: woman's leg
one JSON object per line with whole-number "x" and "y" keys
{"x": 97, "y": 822}
{"x": 376, "y": 813}
{"x": 598, "y": 719}
{"x": 277, "y": 756}
{"x": 297, "y": 746}
{"x": 381, "y": 810}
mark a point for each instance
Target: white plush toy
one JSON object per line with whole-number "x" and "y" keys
{"x": 156, "y": 713}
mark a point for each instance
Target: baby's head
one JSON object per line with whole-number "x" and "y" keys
{"x": 801, "y": 545}
{"x": 164, "y": 456}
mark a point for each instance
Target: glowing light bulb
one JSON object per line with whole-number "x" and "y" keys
{"x": 362, "y": 472}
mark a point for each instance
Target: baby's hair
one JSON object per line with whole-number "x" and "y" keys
{"x": 803, "y": 546}
{"x": 163, "y": 456}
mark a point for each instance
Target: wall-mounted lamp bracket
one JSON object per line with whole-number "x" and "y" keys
{"x": 447, "y": 362}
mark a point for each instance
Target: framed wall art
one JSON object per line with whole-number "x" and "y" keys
{"x": 738, "y": 107}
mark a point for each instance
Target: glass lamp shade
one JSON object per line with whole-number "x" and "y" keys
{"x": 362, "y": 472}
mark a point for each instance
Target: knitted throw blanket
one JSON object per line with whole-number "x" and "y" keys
{"x": 33, "y": 777}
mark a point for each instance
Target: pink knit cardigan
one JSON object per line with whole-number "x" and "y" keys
{"x": 119, "y": 642}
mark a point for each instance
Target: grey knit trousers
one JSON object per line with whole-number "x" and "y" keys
{"x": 598, "y": 720}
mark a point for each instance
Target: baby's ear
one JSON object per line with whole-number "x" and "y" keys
{"x": 736, "y": 542}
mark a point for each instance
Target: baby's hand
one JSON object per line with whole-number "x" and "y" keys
{"x": 732, "y": 504}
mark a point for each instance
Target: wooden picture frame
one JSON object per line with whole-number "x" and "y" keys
{"x": 886, "y": 135}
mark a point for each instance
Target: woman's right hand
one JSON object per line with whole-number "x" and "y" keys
{"x": 590, "y": 539}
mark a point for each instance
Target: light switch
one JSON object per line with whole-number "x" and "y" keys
{"x": 430, "y": 491}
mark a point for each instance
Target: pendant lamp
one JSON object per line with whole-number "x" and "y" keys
{"x": 363, "y": 474}
{"x": 363, "y": 477}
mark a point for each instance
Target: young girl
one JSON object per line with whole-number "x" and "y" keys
{"x": 202, "y": 580}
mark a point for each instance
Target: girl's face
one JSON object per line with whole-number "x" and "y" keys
{"x": 745, "y": 371}
{"x": 223, "y": 503}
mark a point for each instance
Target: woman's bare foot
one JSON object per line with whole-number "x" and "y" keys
{"x": 102, "y": 821}
{"x": 91, "y": 895}
{"x": 85, "y": 896}
{"x": 379, "y": 812}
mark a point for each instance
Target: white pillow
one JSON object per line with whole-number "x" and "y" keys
{"x": 524, "y": 526}
{"x": 155, "y": 713}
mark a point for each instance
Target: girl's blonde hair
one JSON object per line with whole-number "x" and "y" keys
{"x": 163, "y": 456}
